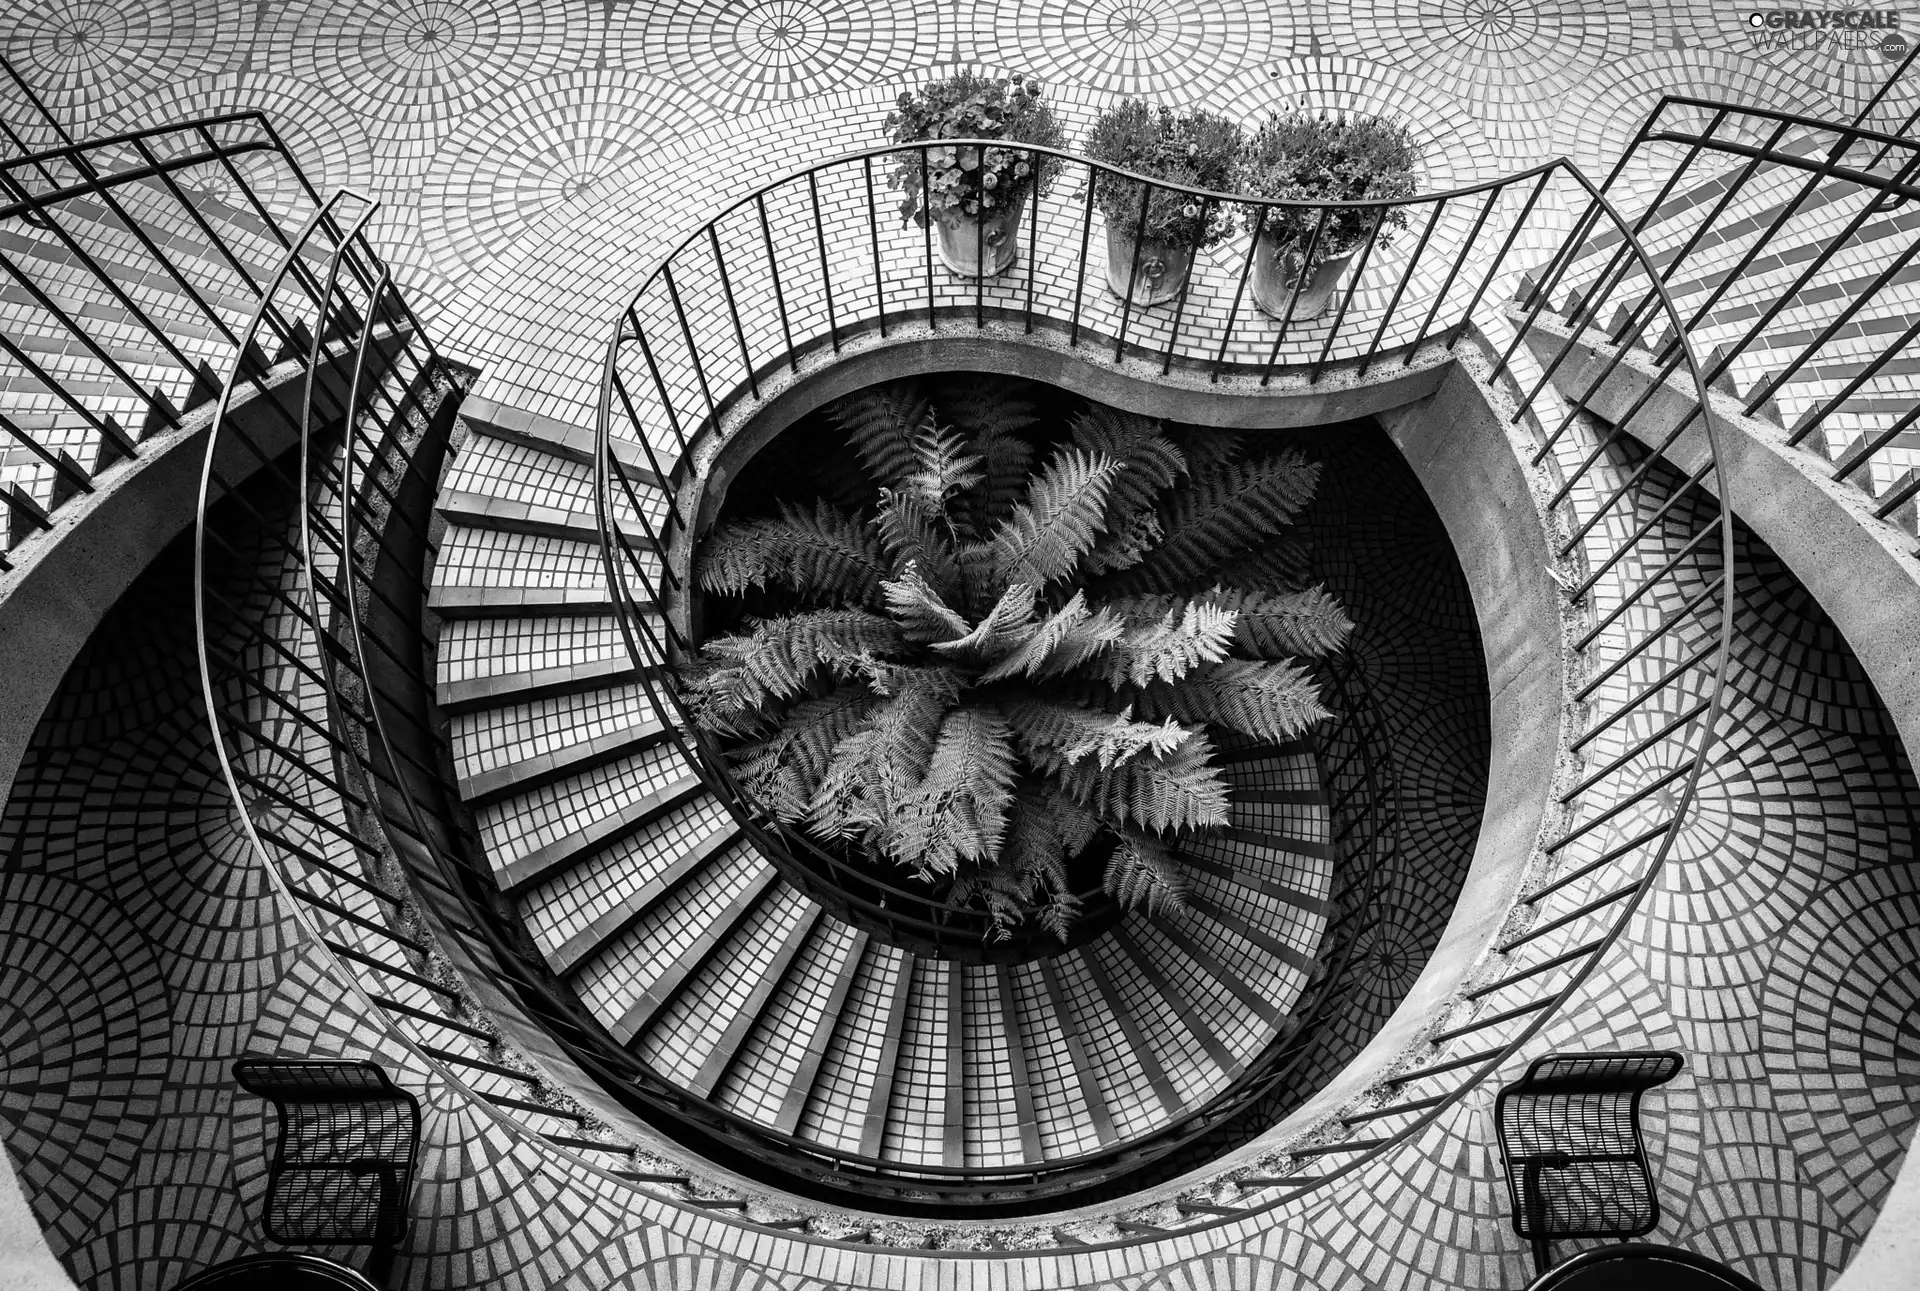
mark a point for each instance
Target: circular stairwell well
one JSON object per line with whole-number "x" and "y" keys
{"x": 764, "y": 991}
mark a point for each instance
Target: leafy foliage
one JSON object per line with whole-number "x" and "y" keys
{"x": 1012, "y": 667}
{"x": 822, "y": 554}
{"x": 1315, "y": 157}
{"x": 1197, "y": 149}
{"x": 971, "y": 179}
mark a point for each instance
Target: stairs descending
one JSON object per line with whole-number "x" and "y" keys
{"x": 1799, "y": 283}
{"x": 737, "y": 987}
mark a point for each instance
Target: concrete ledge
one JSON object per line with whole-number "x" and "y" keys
{"x": 1862, "y": 570}
{"x": 66, "y": 578}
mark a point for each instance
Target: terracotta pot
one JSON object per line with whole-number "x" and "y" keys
{"x": 1273, "y": 280}
{"x": 966, "y": 241}
{"x": 1163, "y": 268}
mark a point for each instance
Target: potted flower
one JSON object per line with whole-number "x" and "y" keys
{"x": 1319, "y": 158}
{"x": 1196, "y": 149}
{"x": 973, "y": 196}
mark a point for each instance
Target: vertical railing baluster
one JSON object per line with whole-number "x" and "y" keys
{"x": 873, "y": 236}
{"x": 1293, "y": 297}
{"x": 773, "y": 270}
{"x": 1493, "y": 271}
{"x": 1240, "y": 290}
{"x": 1080, "y": 278}
{"x": 926, "y": 230}
{"x": 1033, "y": 233}
{"x": 1353, "y": 285}
{"x": 1180, "y": 305}
{"x": 733, "y": 310}
{"x": 1494, "y": 194}
{"x": 1133, "y": 270}
{"x": 826, "y": 272}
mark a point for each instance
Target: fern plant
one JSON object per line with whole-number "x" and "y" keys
{"x": 1024, "y": 647}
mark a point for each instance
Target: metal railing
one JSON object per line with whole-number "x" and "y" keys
{"x": 1792, "y": 248}
{"x": 311, "y": 554}
{"x": 128, "y": 269}
{"x": 803, "y": 271}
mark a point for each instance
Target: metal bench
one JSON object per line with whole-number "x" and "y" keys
{"x": 1570, "y": 1138}
{"x": 343, "y": 1164}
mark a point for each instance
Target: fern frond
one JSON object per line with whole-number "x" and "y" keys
{"x": 821, "y": 553}
{"x": 1059, "y": 914}
{"x": 881, "y": 422}
{"x": 1281, "y": 566}
{"x": 783, "y": 770}
{"x": 775, "y": 660}
{"x": 1006, "y": 462}
{"x": 1169, "y": 647}
{"x": 1056, "y": 525}
{"x": 1066, "y": 639}
{"x": 1181, "y": 790}
{"x": 1125, "y": 543}
{"x": 1309, "y": 623}
{"x": 1207, "y": 449}
{"x": 914, "y": 531}
{"x": 1267, "y": 700}
{"x": 918, "y": 609}
{"x": 1143, "y": 874}
{"x": 958, "y": 811}
{"x": 944, "y": 467}
{"x": 997, "y": 417}
{"x": 1055, "y": 735}
{"x": 1220, "y": 513}
{"x": 1009, "y": 623}
{"x": 872, "y": 769}
{"x": 1149, "y": 461}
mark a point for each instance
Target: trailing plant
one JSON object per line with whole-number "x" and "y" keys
{"x": 971, "y": 180}
{"x": 1198, "y": 149}
{"x": 1316, "y": 157}
{"x": 1026, "y": 645}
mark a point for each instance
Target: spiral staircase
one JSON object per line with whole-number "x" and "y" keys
{"x": 691, "y": 949}
{"x": 435, "y": 636}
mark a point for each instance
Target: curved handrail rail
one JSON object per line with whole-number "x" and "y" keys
{"x": 92, "y": 388}
{"x": 653, "y": 650}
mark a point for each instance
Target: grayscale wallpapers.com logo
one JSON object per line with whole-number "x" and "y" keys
{"x": 1830, "y": 29}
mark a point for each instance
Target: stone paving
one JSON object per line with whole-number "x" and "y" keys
{"x": 520, "y": 145}
{"x": 533, "y": 161}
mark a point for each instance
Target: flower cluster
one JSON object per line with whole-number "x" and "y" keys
{"x": 1196, "y": 149}
{"x": 1314, "y": 157}
{"x": 971, "y": 180}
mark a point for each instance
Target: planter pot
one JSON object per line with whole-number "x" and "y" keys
{"x": 1163, "y": 268}
{"x": 1273, "y": 281}
{"x": 968, "y": 241}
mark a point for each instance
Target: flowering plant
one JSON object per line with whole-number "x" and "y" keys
{"x": 1198, "y": 149}
{"x": 954, "y": 178}
{"x": 1314, "y": 157}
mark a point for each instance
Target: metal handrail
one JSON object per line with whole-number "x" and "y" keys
{"x": 677, "y": 361}
{"x": 102, "y": 401}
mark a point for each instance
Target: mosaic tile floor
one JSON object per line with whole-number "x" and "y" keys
{"x": 532, "y": 160}
{"x": 518, "y": 144}
{"x": 1779, "y": 952}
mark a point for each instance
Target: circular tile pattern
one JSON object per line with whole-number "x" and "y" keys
{"x": 419, "y": 58}
{"x": 1840, "y": 1033}
{"x": 1144, "y": 47}
{"x": 548, "y": 147}
{"x": 1455, "y": 149}
{"x": 1602, "y": 112}
{"x": 83, "y": 54}
{"x": 1501, "y": 57}
{"x": 84, "y": 1022}
{"x": 743, "y": 56}
{"x": 325, "y": 139}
